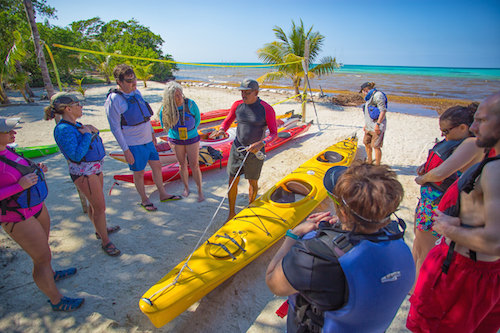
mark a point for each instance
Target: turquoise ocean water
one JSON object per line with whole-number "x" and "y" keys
{"x": 442, "y": 82}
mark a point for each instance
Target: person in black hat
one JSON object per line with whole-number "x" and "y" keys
{"x": 374, "y": 111}
{"x": 350, "y": 272}
{"x": 254, "y": 116}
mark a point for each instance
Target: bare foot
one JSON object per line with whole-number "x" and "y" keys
{"x": 201, "y": 197}
{"x": 230, "y": 216}
{"x": 186, "y": 192}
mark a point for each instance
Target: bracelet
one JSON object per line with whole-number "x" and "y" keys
{"x": 289, "y": 233}
{"x": 264, "y": 142}
{"x": 378, "y": 124}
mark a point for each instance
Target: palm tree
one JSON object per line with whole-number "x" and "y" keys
{"x": 143, "y": 72}
{"x": 292, "y": 48}
{"x": 102, "y": 63}
{"x": 30, "y": 13}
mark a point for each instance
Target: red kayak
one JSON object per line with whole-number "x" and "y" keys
{"x": 171, "y": 172}
{"x": 206, "y": 117}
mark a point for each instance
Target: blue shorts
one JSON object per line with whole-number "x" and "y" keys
{"x": 142, "y": 154}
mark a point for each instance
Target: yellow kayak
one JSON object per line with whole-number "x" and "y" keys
{"x": 242, "y": 239}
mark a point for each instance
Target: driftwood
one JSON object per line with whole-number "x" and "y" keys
{"x": 348, "y": 99}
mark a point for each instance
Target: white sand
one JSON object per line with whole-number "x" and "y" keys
{"x": 153, "y": 243}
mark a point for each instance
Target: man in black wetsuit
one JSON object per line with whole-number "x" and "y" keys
{"x": 254, "y": 116}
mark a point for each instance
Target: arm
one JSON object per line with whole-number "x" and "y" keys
{"x": 275, "y": 277}
{"x": 196, "y": 112}
{"x": 230, "y": 117}
{"x": 484, "y": 239}
{"x": 113, "y": 107}
{"x": 381, "y": 100}
{"x": 463, "y": 155}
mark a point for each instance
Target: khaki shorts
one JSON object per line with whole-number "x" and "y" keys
{"x": 373, "y": 139}
{"x": 251, "y": 169}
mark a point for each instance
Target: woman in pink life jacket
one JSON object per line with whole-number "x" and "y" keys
{"x": 446, "y": 160}
{"x": 25, "y": 218}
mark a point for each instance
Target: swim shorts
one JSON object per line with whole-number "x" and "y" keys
{"x": 426, "y": 209}
{"x": 76, "y": 170}
{"x": 466, "y": 299}
{"x": 251, "y": 168}
{"x": 143, "y": 154}
{"x": 373, "y": 139}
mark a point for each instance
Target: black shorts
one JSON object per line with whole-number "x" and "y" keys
{"x": 251, "y": 168}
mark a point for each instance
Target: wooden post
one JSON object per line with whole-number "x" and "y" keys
{"x": 305, "y": 66}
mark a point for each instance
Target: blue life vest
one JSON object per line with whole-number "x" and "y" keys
{"x": 373, "y": 110}
{"x": 379, "y": 271}
{"x": 96, "y": 150}
{"x": 29, "y": 197}
{"x": 138, "y": 110}
{"x": 186, "y": 118}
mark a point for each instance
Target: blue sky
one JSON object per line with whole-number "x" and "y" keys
{"x": 397, "y": 32}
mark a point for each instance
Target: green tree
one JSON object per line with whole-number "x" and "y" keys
{"x": 143, "y": 72}
{"x": 290, "y": 48}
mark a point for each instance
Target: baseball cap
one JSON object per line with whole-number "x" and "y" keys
{"x": 249, "y": 84}
{"x": 332, "y": 176}
{"x": 364, "y": 85}
{"x": 63, "y": 98}
{"x": 8, "y": 124}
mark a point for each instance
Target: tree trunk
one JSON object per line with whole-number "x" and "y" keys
{"x": 4, "y": 99}
{"x": 30, "y": 13}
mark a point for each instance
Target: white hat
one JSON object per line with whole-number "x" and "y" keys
{"x": 8, "y": 124}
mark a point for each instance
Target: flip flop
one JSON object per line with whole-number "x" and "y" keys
{"x": 66, "y": 273}
{"x": 111, "y": 249}
{"x": 149, "y": 207}
{"x": 110, "y": 231}
{"x": 172, "y": 198}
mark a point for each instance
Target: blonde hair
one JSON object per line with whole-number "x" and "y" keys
{"x": 170, "y": 115}
{"x": 58, "y": 104}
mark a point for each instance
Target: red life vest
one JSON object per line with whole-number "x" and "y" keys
{"x": 437, "y": 155}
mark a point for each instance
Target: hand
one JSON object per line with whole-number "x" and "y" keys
{"x": 91, "y": 128}
{"x": 377, "y": 129}
{"x": 43, "y": 167}
{"x": 419, "y": 180}
{"x": 84, "y": 129}
{"x": 312, "y": 223}
{"x": 421, "y": 170}
{"x": 28, "y": 180}
{"x": 364, "y": 129}
{"x": 255, "y": 147}
{"x": 443, "y": 223}
{"x": 216, "y": 133}
{"x": 129, "y": 157}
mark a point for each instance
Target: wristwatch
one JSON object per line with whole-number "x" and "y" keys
{"x": 264, "y": 142}
{"x": 378, "y": 124}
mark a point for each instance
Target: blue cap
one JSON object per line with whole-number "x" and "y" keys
{"x": 332, "y": 176}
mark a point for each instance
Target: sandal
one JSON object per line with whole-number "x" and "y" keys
{"x": 110, "y": 231}
{"x": 173, "y": 197}
{"x": 66, "y": 273}
{"x": 67, "y": 304}
{"x": 149, "y": 207}
{"x": 111, "y": 249}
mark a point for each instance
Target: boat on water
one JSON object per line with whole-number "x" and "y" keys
{"x": 242, "y": 239}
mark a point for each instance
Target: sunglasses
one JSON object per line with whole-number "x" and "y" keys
{"x": 75, "y": 104}
{"x": 130, "y": 80}
{"x": 448, "y": 130}
{"x": 353, "y": 212}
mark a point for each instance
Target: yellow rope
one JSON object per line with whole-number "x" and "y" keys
{"x": 162, "y": 60}
{"x": 285, "y": 100}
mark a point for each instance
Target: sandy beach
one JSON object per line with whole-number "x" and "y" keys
{"x": 153, "y": 243}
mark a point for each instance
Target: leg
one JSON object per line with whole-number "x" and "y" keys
{"x": 92, "y": 187}
{"x": 368, "y": 147}
{"x": 139, "y": 186}
{"x": 253, "y": 188}
{"x": 232, "y": 194}
{"x": 424, "y": 241}
{"x": 193, "y": 151}
{"x": 181, "y": 154}
{"x": 31, "y": 236}
{"x": 378, "y": 155}
{"x": 158, "y": 178}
